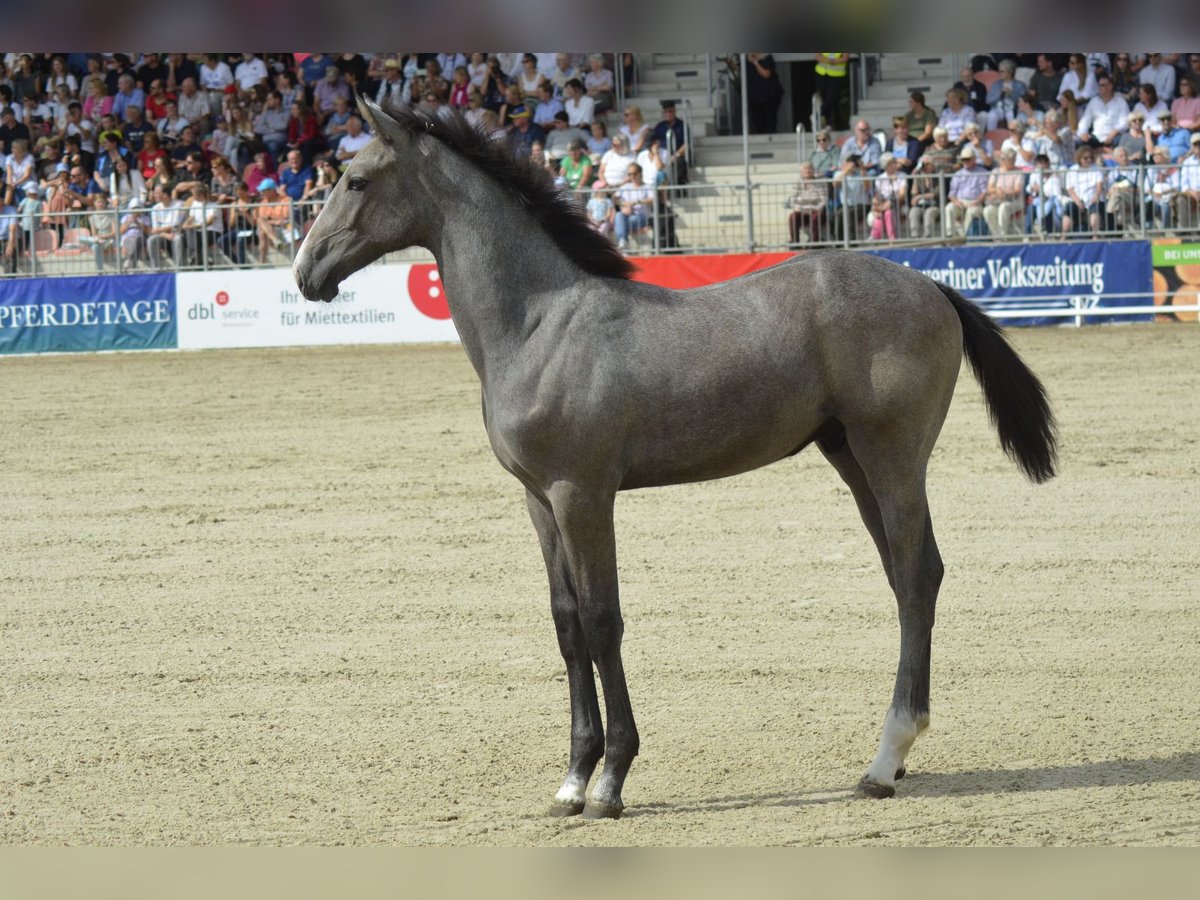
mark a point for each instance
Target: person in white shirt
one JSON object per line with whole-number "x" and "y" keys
{"x": 580, "y": 108}
{"x": 1084, "y": 185}
{"x": 1153, "y": 110}
{"x": 250, "y": 71}
{"x": 1159, "y": 74}
{"x": 215, "y": 76}
{"x": 1187, "y": 202}
{"x": 201, "y": 223}
{"x": 352, "y": 141}
{"x": 1079, "y": 80}
{"x": 1106, "y": 116}
{"x": 165, "y": 218}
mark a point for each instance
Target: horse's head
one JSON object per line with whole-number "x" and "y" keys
{"x": 377, "y": 206}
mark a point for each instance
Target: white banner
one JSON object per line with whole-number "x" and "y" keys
{"x": 382, "y": 304}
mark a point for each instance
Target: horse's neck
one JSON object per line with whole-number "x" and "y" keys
{"x": 499, "y": 269}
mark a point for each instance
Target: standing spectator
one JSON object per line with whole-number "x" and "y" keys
{"x": 956, "y": 115}
{"x": 1046, "y": 82}
{"x": 271, "y": 125}
{"x": 1078, "y": 79}
{"x": 904, "y": 148}
{"x": 303, "y": 132}
{"x": 599, "y": 83}
{"x": 831, "y": 72}
{"x": 1105, "y": 118}
{"x": 1160, "y": 75}
{"x": 863, "y": 145}
{"x": 673, "y": 137}
{"x": 807, "y": 204}
{"x": 353, "y": 141}
{"x": 250, "y": 73}
{"x": 825, "y": 156}
{"x": 1084, "y": 185}
{"x": 326, "y": 92}
{"x": 580, "y": 108}
{"x": 921, "y": 119}
{"x": 964, "y": 212}
{"x": 1186, "y": 107}
{"x": 165, "y": 218}
{"x": 22, "y": 226}
{"x": 888, "y": 198}
{"x": 1003, "y": 95}
{"x": 193, "y": 105}
{"x": 763, "y": 92}
{"x": 1004, "y": 200}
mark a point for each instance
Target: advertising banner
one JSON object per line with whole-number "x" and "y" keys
{"x": 382, "y": 304}
{"x": 1082, "y": 275}
{"x": 1176, "y": 278}
{"x": 106, "y": 312}
{"x": 680, "y": 272}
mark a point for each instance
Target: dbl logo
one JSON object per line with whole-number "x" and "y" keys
{"x": 425, "y": 289}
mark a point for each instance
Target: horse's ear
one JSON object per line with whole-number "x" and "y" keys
{"x": 381, "y": 124}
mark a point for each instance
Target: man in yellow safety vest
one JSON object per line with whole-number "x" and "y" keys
{"x": 831, "y": 80}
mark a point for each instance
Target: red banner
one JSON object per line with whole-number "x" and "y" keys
{"x": 696, "y": 271}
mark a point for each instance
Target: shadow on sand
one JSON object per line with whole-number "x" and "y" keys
{"x": 1102, "y": 773}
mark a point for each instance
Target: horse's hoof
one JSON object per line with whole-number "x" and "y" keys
{"x": 561, "y": 810}
{"x": 874, "y": 790}
{"x": 901, "y": 772}
{"x": 595, "y": 809}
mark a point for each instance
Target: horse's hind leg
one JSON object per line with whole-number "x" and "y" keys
{"x": 837, "y": 452}
{"x": 587, "y": 731}
{"x": 896, "y": 475}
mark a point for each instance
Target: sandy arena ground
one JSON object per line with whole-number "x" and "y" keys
{"x": 281, "y": 597}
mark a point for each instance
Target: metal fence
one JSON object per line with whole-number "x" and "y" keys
{"x": 1135, "y": 202}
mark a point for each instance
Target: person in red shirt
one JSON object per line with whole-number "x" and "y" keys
{"x": 304, "y": 134}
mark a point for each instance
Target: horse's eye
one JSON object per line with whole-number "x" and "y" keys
{"x": 357, "y": 184}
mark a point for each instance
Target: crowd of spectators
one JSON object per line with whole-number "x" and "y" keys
{"x": 190, "y": 154}
{"x": 1090, "y": 143}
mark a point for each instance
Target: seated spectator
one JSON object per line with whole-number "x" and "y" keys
{"x": 525, "y": 132}
{"x": 925, "y": 200}
{"x": 1162, "y": 181}
{"x": 906, "y": 150}
{"x": 431, "y": 82}
{"x": 200, "y": 230}
{"x": 921, "y": 120}
{"x": 136, "y": 128}
{"x": 11, "y": 131}
{"x": 615, "y": 163}
{"x": 975, "y": 91}
{"x": 826, "y": 155}
{"x": 1186, "y": 107}
{"x": 599, "y": 143}
{"x": 128, "y": 94}
{"x": 432, "y": 105}
{"x": 1056, "y": 140}
{"x": 326, "y": 177}
{"x": 1125, "y": 78}
{"x": 943, "y": 153}
{"x": 352, "y": 142}
{"x": 20, "y": 169}
{"x": 1029, "y": 113}
{"x": 475, "y": 108}
{"x": 186, "y": 145}
{"x": 672, "y": 134}
{"x": 303, "y": 132}
{"x": 862, "y": 144}
{"x": 529, "y": 80}
{"x": 295, "y": 178}
{"x": 579, "y": 106}
{"x": 973, "y": 138}
{"x": 600, "y": 211}
{"x": 1173, "y": 137}
{"x": 477, "y": 70}
{"x": 250, "y": 72}
{"x": 157, "y": 98}
{"x": 336, "y": 124}
{"x": 24, "y": 224}
{"x": 1003, "y": 96}
{"x": 1159, "y": 75}
{"x": 179, "y": 69}
{"x": 127, "y": 183}
{"x": 241, "y": 138}
{"x": 538, "y": 158}
{"x": 1192, "y": 73}
{"x": 1134, "y": 141}
{"x": 391, "y": 86}
{"x": 559, "y": 138}
{"x": 576, "y": 169}
{"x": 598, "y": 82}
{"x": 1084, "y": 187}
{"x": 494, "y": 86}
{"x": 223, "y": 187}
{"x": 273, "y": 221}
{"x": 956, "y": 115}
{"x": 888, "y": 199}
{"x": 808, "y": 204}
{"x": 164, "y": 175}
{"x": 562, "y": 73}
{"x": 548, "y": 106}
{"x": 193, "y": 174}
{"x": 271, "y": 124}
{"x": 1078, "y": 79}
{"x": 193, "y": 106}
{"x": 1121, "y": 190}
{"x": 963, "y": 214}
{"x": 1187, "y": 205}
{"x": 1046, "y": 197}
{"x": 634, "y": 201}
{"x": 1150, "y": 106}
{"x": 460, "y": 88}
{"x": 634, "y": 127}
{"x": 165, "y": 218}
{"x": 259, "y": 171}
{"x": 326, "y": 92}
{"x": 1105, "y": 118}
{"x": 170, "y": 126}
{"x": 654, "y": 162}
{"x": 1004, "y": 201}
{"x": 1046, "y": 82}
{"x": 102, "y": 238}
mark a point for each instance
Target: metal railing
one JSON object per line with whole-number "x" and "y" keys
{"x": 693, "y": 218}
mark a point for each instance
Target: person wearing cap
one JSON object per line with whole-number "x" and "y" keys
{"x": 963, "y": 214}
{"x": 1174, "y": 137}
{"x": 672, "y": 134}
{"x": 525, "y": 132}
{"x": 1133, "y": 141}
{"x": 271, "y": 219}
{"x": 391, "y": 86}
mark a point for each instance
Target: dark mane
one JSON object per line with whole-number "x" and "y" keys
{"x": 564, "y": 221}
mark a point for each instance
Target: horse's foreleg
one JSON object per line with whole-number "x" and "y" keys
{"x": 585, "y": 522}
{"x": 587, "y": 730}
{"x": 916, "y": 576}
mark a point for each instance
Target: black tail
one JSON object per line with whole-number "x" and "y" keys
{"x": 1016, "y": 400}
